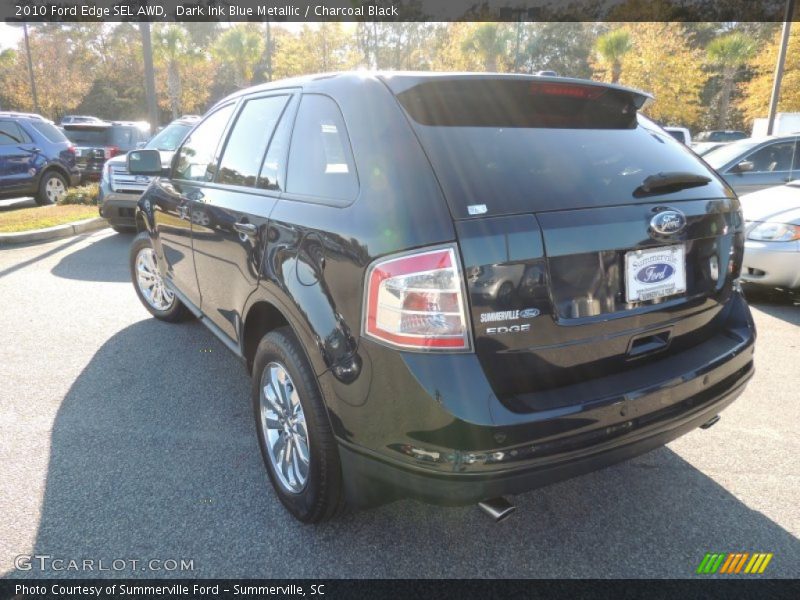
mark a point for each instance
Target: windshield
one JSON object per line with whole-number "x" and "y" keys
{"x": 719, "y": 157}
{"x": 169, "y": 138}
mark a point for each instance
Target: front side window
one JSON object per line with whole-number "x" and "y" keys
{"x": 197, "y": 158}
{"x": 772, "y": 158}
{"x": 320, "y": 160}
{"x": 241, "y": 159}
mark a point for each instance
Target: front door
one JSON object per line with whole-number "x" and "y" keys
{"x": 230, "y": 218}
{"x": 772, "y": 165}
{"x": 193, "y": 167}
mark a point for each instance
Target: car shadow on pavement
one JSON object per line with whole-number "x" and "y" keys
{"x": 153, "y": 456}
{"x": 104, "y": 260}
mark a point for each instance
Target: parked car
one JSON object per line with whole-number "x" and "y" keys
{"x": 682, "y": 134}
{"x": 772, "y": 247}
{"x": 343, "y": 214}
{"x": 95, "y": 143}
{"x": 119, "y": 190}
{"x": 756, "y": 163}
{"x": 35, "y": 158}
{"x": 703, "y": 148}
{"x": 72, "y": 119}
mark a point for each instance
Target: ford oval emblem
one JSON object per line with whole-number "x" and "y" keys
{"x": 655, "y": 273}
{"x": 668, "y": 222}
{"x": 529, "y": 313}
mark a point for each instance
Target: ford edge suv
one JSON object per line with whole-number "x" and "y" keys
{"x": 451, "y": 287}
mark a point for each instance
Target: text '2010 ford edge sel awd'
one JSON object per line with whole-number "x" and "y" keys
{"x": 449, "y": 286}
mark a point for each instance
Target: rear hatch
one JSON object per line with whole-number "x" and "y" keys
{"x": 93, "y": 144}
{"x": 593, "y": 242}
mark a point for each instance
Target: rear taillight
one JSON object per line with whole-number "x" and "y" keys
{"x": 417, "y": 302}
{"x": 71, "y": 149}
{"x": 111, "y": 151}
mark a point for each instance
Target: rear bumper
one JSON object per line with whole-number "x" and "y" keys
{"x": 371, "y": 480}
{"x": 118, "y": 208}
{"x": 773, "y": 264}
{"x": 431, "y": 428}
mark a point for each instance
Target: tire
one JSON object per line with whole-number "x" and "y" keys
{"x": 156, "y": 297}
{"x": 52, "y": 188}
{"x": 124, "y": 228}
{"x": 320, "y": 496}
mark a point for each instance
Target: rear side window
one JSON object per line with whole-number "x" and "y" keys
{"x": 50, "y": 132}
{"x": 505, "y": 147}
{"x": 241, "y": 159}
{"x": 320, "y": 159}
{"x": 11, "y": 133}
{"x": 197, "y": 157}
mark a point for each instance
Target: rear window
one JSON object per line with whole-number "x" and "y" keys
{"x": 502, "y": 148}
{"x": 49, "y": 131}
{"x": 89, "y": 136}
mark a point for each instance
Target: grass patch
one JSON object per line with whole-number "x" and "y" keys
{"x": 26, "y": 219}
{"x": 82, "y": 194}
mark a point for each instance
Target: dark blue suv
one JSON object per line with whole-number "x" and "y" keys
{"x": 36, "y": 158}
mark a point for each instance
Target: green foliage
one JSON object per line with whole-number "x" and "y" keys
{"x": 82, "y": 194}
{"x": 611, "y": 49}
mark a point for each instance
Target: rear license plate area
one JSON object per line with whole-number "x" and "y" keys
{"x": 655, "y": 273}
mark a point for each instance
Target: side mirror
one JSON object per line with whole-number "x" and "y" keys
{"x": 140, "y": 145}
{"x": 144, "y": 162}
{"x": 744, "y": 166}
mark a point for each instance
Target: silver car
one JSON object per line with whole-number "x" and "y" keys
{"x": 756, "y": 163}
{"x": 772, "y": 245}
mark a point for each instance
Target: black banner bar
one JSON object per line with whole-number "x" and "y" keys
{"x": 392, "y": 10}
{"x": 386, "y": 589}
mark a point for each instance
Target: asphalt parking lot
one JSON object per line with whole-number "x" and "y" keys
{"x": 126, "y": 438}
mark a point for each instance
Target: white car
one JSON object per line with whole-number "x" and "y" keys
{"x": 772, "y": 230}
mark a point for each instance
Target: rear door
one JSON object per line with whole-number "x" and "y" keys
{"x": 592, "y": 241}
{"x": 230, "y": 214}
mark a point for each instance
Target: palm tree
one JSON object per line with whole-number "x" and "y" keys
{"x": 240, "y": 48}
{"x": 611, "y": 47}
{"x": 490, "y": 42}
{"x": 729, "y": 53}
{"x": 172, "y": 46}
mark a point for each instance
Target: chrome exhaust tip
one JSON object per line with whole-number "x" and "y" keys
{"x": 710, "y": 423}
{"x": 498, "y": 509}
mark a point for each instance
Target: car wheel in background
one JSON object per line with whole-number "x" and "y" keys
{"x": 294, "y": 435}
{"x": 52, "y": 188}
{"x": 150, "y": 287}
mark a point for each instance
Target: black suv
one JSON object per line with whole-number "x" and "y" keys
{"x": 97, "y": 141}
{"x": 449, "y": 286}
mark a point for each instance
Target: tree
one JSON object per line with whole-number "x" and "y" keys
{"x": 239, "y": 49}
{"x": 756, "y": 93}
{"x": 611, "y": 49}
{"x": 172, "y": 50}
{"x": 561, "y": 47}
{"x": 728, "y": 53}
{"x": 666, "y": 63}
{"x": 489, "y": 42}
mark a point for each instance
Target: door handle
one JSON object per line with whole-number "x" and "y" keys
{"x": 246, "y": 228}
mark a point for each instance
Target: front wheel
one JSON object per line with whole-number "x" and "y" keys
{"x": 150, "y": 287}
{"x": 294, "y": 435}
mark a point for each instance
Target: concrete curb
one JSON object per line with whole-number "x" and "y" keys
{"x": 53, "y": 233}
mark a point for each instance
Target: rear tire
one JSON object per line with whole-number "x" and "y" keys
{"x": 311, "y": 490}
{"x": 157, "y": 298}
{"x": 52, "y": 187}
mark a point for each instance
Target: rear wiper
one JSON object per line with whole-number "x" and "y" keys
{"x": 669, "y": 182}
